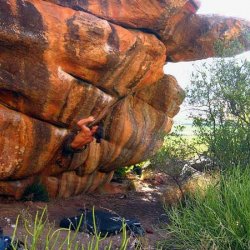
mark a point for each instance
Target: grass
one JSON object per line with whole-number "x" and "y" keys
{"x": 219, "y": 220}
{"x": 40, "y": 234}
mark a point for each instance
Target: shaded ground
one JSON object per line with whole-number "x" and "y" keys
{"x": 145, "y": 205}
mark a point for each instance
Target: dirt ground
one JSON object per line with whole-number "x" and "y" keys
{"x": 144, "y": 204}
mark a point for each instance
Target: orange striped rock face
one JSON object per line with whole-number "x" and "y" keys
{"x": 62, "y": 60}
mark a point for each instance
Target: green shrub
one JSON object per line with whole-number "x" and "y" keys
{"x": 219, "y": 95}
{"x": 176, "y": 151}
{"x": 219, "y": 220}
{"x": 121, "y": 172}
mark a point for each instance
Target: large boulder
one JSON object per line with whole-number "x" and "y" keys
{"x": 61, "y": 61}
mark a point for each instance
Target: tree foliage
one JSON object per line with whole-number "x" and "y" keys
{"x": 220, "y": 93}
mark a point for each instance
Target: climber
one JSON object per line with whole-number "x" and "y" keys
{"x": 78, "y": 141}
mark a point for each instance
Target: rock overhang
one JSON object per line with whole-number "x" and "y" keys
{"x": 64, "y": 60}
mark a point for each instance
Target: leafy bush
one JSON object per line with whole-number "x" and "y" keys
{"x": 220, "y": 94}
{"x": 176, "y": 151}
{"x": 219, "y": 220}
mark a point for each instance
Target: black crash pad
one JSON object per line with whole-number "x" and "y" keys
{"x": 106, "y": 223}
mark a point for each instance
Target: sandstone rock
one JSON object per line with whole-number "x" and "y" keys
{"x": 186, "y": 35}
{"x": 196, "y": 37}
{"x": 61, "y": 61}
{"x": 169, "y": 100}
{"x": 27, "y": 145}
{"x": 151, "y": 15}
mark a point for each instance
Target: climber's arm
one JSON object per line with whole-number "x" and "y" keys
{"x": 78, "y": 142}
